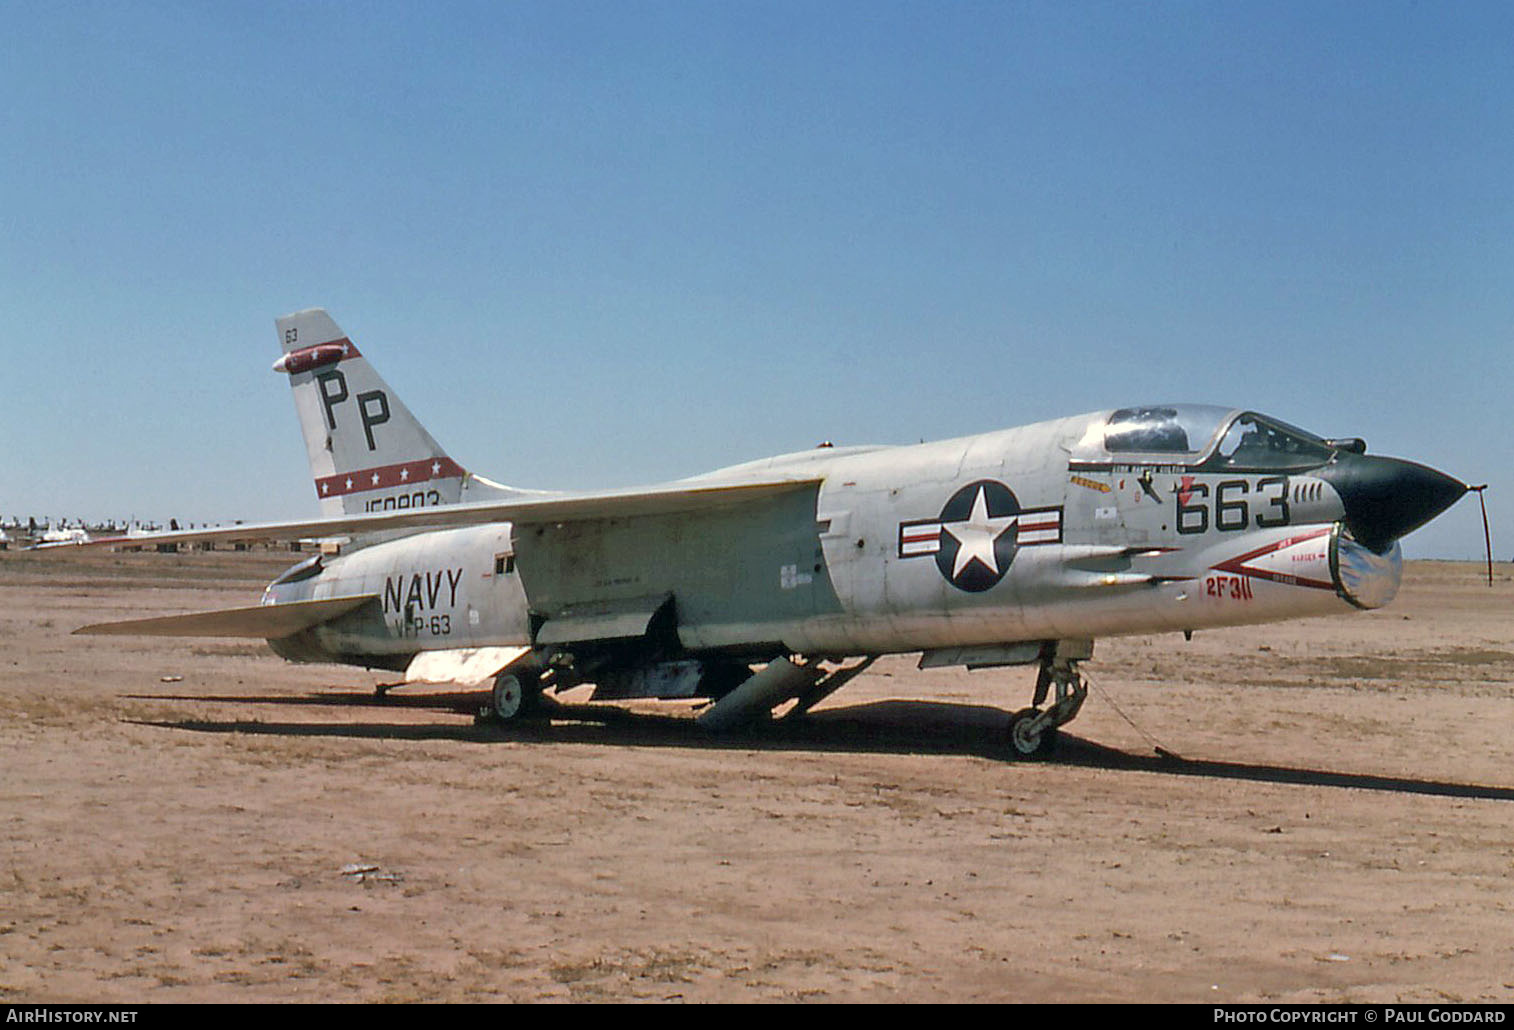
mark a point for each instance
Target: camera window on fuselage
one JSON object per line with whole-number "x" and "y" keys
{"x": 1145, "y": 430}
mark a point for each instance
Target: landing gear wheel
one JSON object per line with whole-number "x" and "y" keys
{"x": 1027, "y": 739}
{"x": 1032, "y": 732}
{"x": 514, "y": 696}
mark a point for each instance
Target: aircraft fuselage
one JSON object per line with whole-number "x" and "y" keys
{"x": 1045, "y": 532}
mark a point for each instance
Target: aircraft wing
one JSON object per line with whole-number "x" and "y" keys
{"x": 263, "y": 621}
{"x": 529, "y": 508}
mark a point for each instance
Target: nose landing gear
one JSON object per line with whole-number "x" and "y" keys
{"x": 1032, "y": 732}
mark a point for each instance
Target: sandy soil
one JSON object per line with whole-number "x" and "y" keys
{"x": 177, "y": 818}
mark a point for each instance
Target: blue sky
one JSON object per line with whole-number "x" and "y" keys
{"x": 600, "y": 244}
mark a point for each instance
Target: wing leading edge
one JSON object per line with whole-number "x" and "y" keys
{"x": 532, "y": 509}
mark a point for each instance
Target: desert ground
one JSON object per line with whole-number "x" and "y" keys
{"x": 1330, "y": 818}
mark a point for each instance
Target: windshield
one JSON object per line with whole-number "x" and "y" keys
{"x": 1253, "y": 442}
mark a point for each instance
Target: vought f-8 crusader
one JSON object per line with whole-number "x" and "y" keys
{"x": 779, "y": 580}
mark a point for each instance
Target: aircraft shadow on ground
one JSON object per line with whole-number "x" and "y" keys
{"x": 894, "y": 727}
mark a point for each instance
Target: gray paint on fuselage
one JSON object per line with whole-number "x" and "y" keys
{"x": 448, "y": 576}
{"x": 821, "y": 570}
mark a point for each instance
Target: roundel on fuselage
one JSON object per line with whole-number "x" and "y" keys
{"x": 981, "y": 528}
{"x": 978, "y": 535}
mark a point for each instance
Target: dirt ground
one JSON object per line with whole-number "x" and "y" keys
{"x": 197, "y": 821}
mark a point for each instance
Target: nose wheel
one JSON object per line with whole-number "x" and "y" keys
{"x": 1029, "y": 736}
{"x": 1032, "y": 732}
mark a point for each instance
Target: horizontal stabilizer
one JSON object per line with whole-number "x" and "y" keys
{"x": 264, "y": 621}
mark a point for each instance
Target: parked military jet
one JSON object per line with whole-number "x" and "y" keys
{"x": 1016, "y": 547}
{"x": 63, "y": 534}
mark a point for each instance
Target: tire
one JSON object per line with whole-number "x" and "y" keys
{"x": 514, "y": 696}
{"x": 1023, "y": 743}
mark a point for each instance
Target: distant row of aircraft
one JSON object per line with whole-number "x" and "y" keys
{"x": 79, "y": 532}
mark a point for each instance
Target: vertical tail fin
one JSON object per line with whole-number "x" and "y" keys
{"x": 367, "y": 451}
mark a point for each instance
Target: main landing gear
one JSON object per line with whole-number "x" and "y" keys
{"x": 1032, "y": 732}
{"x": 516, "y": 695}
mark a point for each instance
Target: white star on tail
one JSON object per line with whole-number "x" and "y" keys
{"x": 977, "y": 536}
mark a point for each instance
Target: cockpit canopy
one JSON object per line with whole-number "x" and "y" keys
{"x": 1199, "y": 434}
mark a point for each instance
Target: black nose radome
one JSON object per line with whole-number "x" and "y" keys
{"x": 1385, "y": 498}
